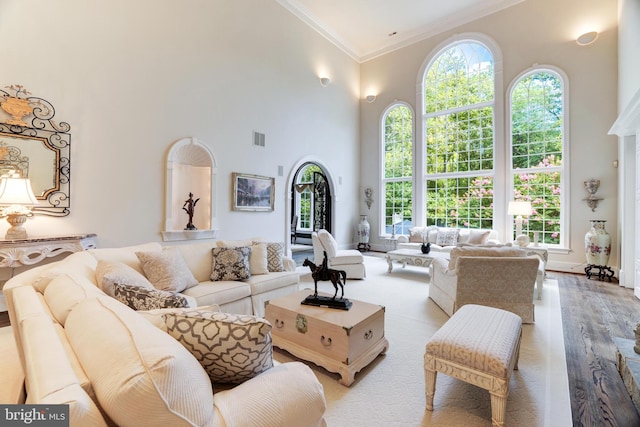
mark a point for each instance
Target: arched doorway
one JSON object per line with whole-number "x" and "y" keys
{"x": 310, "y": 202}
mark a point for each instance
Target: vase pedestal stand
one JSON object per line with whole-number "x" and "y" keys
{"x": 364, "y": 247}
{"x": 604, "y": 272}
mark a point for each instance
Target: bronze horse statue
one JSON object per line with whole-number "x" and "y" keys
{"x": 322, "y": 272}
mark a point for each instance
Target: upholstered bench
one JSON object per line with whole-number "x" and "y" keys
{"x": 479, "y": 345}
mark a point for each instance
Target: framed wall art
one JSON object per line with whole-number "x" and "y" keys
{"x": 253, "y": 192}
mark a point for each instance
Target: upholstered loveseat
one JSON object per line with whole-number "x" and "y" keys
{"x": 444, "y": 239}
{"x": 501, "y": 277}
{"x": 113, "y": 366}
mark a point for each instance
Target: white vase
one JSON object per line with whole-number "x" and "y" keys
{"x": 364, "y": 230}
{"x": 597, "y": 244}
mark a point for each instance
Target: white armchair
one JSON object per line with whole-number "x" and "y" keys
{"x": 349, "y": 260}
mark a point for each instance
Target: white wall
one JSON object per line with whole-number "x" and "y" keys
{"x": 532, "y": 32}
{"x": 132, "y": 77}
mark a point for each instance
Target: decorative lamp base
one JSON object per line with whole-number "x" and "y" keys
{"x": 16, "y": 231}
{"x": 329, "y": 302}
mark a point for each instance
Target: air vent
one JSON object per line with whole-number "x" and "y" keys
{"x": 258, "y": 139}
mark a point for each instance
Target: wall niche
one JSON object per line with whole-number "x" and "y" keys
{"x": 191, "y": 168}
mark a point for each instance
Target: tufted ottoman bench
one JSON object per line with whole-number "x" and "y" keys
{"x": 479, "y": 345}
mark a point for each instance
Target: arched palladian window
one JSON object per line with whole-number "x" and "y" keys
{"x": 537, "y": 111}
{"x": 397, "y": 179}
{"x": 458, "y": 120}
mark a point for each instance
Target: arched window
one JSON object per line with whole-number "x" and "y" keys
{"x": 397, "y": 179}
{"x": 458, "y": 126}
{"x": 537, "y": 111}
{"x": 304, "y": 207}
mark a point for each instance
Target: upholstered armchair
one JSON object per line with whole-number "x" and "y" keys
{"x": 349, "y": 260}
{"x": 500, "y": 277}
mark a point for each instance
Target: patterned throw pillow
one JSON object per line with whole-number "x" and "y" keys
{"x": 167, "y": 270}
{"x": 275, "y": 255}
{"x": 447, "y": 236}
{"x": 232, "y": 348}
{"x": 108, "y": 273}
{"x": 139, "y": 298}
{"x": 230, "y": 263}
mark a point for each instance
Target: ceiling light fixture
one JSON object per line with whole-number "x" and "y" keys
{"x": 587, "y": 38}
{"x": 324, "y": 81}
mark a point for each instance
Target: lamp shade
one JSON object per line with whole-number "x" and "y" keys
{"x": 518, "y": 208}
{"x": 17, "y": 191}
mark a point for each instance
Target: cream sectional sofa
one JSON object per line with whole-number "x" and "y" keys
{"x": 232, "y": 296}
{"x": 112, "y": 366}
{"x": 444, "y": 239}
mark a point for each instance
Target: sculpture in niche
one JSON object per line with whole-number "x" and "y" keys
{"x": 191, "y": 168}
{"x": 189, "y": 207}
{"x": 34, "y": 146}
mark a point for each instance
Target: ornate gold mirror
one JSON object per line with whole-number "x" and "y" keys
{"x": 34, "y": 146}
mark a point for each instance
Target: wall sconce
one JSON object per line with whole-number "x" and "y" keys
{"x": 324, "y": 81}
{"x": 17, "y": 196}
{"x": 592, "y": 186}
{"x": 370, "y": 98}
{"x": 587, "y": 38}
{"x": 520, "y": 209}
{"x": 368, "y": 197}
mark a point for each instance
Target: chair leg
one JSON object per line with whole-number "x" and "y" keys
{"x": 430, "y": 387}
{"x": 498, "y": 410}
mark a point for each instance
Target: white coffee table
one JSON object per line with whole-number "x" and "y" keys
{"x": 413, "y": 257}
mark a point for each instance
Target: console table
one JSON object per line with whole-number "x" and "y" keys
{"x": 31, "y": 251}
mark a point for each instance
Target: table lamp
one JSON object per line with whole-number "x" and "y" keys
{"x": 520, "y": 209}
{"x": 16, "y": 197}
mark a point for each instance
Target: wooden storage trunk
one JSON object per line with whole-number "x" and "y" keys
{"x": 340, "y": 341}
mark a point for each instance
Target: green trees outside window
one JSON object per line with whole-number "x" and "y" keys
{"x": 459, "y": 137}
{"x": 398, "y": 168}
{"x": 537, "y": 104}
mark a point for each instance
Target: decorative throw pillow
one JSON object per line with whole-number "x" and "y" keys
{"x": 108, "y": 273}
{"x": 230, "y": 263}
{"x": 417, "y": 234}
{"x": 232, "y": 348}
{"x": 275, "y": 255}
{"x": 447, "y": 236}
{"x": 139, "y": 298}
{"x": 259, "y": 259}
{"x": 478, "y": 237}
{"x": 167, "y": 270}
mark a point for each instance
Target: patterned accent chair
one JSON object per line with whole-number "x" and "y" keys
{"x": 502, "y": 277}
{"x": 349, "y": 260}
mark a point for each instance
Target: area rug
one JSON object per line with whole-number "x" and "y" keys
{"x": 390, "y": 391}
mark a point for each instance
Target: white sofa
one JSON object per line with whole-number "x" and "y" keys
{"x": 232, "y": 296}
{"x": 112, "y": 366}
{"x": 444, "y": 239}
{"x": 348, "y": 260}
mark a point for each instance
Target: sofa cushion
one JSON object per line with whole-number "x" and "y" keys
{"x": 447, "y": 236}
{"x": 483, "y": 251}
{"x": 347, "y": 257}
{"x": 230, "y": 263}
{"x": 478, "y": 237}
{"x": 265, "y": 283}
{"x": 141, "y": 298}
{"x": 222, "y": 292}
{"x": 258, "y": 259}
{"x": 67, "y": 290}
{"x": 108, "y": 273}
{"x": 167, "y": 270}
{"x": 141, "y": 375}
{"x": 126, "y": 254}
{"x": 231, "y": 348}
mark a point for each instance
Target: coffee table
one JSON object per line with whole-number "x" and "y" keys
{"x": 413, "y": 257}
{"x": 340, "y": 341}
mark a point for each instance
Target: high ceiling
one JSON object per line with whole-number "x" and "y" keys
{"x": 368, "y": 28}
